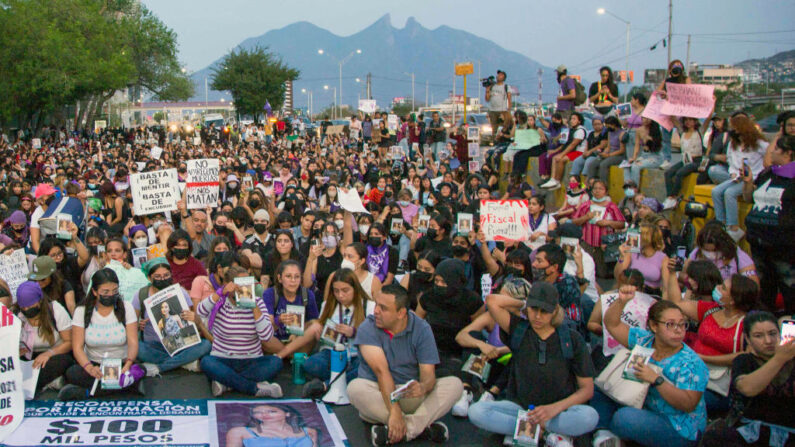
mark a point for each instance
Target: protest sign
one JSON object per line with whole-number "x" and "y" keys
{"x": 14, "y": 270}
{"x": 392, "y": 122}
{"x": 335, "y": 130}
{"x": 367, "y": 105}
{"x": 12, "y": 398}
{"x": 692, "y": 100}
{"x": 154, "y": 192}
{"x": 634, "y": 315}
{"x": 504, "y": 220}
{"x": 314, "y": 417}
{"x": 201, "y": 183}
{"x": 164, "y": 309}
{"x": 350, "y": 201}
{"x": 653, "y": 111}
{"x": 156, "y": 152}
{"x": 114, "y": 422}
{"x": 36, "y": 143}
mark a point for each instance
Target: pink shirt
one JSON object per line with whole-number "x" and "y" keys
{"x": 592, "y": 233}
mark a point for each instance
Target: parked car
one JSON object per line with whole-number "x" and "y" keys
{"x": 480, "y": 120}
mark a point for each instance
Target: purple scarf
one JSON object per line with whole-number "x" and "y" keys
{"x": 378, "y": 261}
{"x": 218, "y": 305}
{"x": 786, "y": 171}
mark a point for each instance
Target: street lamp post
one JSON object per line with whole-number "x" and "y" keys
{"x": 308, "y": 101}
{"x": 341, "y": 62}
{"x": 334, "y": 109}
{"x": 602, "y": 11}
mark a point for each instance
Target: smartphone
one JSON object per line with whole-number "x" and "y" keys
{"x": 787, "y": 331}
{"x": 681, "y": 254}
{"x": 315, "y": 242}
{"x": 100, "y": 249}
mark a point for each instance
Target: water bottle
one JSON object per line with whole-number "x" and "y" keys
{"x": 299, "y": 359}
{"x": 485, "y": 285}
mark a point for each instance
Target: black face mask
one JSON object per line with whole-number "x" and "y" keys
{"x": 92, "y": 250}
{"x": 374, "y": 242}
{"x": 459, "y": 251}
{"x": 666, "y": 233}
{"x": 109, "y": 300}
{"x": 513, "y": 271}
{"x": 422, "y": 277}
{"x": 180, "y": 253}
{"x": 431, "y": 233}
{"x": 31, "y": 312}
{"x": 260, "y": 228}
{"x": 161, "y": 284}
{"x": 539, "y": 274}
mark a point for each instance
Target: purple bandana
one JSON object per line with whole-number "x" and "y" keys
{"x": 378, "y": 261}
{"x": 786, "y": 171}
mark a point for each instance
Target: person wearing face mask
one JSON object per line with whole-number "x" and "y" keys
{"x": 46, "y": 334}
{"x": 628, "y": 205}
{"x": 232, "y": 188}
{"x": 139, "y": 238}
{"x": 184, "y": 267}
{"x": 45, "y": 194}
{"x": 576, "y": 195}
{"x": 421, "y": 279}
{"x": 382, "y": 259}
{"x": 713, "y": 243}
{"x": 329, "y": 201}
{"x": 15, "y": 228}
{"x": 151, "y": 352}
{"x": 257, "y": 245}
{"x": 762, "y": 383}
{"x": 548, "y": 267}
{"x": 70, "y": 257}
{"x": 44, "y": 271}
{"x": 324, "y": 258}
{"x": 436, "y": 238}
{"x": 474, "y": 267}
{"x": 718, "y": 340}
{"x": 104, "y": 327}
{"x": 596, "y": 224}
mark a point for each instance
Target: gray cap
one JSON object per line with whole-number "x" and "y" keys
{"x": 544, "y": 296}
{"x": 561, "y": 68}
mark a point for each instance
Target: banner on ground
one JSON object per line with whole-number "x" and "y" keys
{"x": 14, "y": 270}
{"x": 653, "y": 111}
{"x": 154, "y": 192}
{"x": 692, "y": 100}
{"x": 164, "y": 309}
{"x": 176, "y": 423}
{"x": 504, "y": 220}
{"x": 12, "y": 398}
{"x": 202, "y": 183}
{"x": 367, "y": 105}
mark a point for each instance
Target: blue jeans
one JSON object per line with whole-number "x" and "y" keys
{"x": 724, "y": 200}
{"x": 404, "y": 247}
{"x": 319, "y": 365}
{"x": 642, "y": 426}
{"x": 500, "y": 417}
{"x": 718, "y": 174}
{"x": 630, "y": 146}
{"x": 666, "y": 143}
{"x": 154, "y": 352}
{"x": 647, "y": 161}
{"x": 578, "y": 165}
{"x": 241, "y": 374}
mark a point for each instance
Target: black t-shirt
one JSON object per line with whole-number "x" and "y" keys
{"x": 325, "y": 267}
{"x": 773, "y": 213}
{"x": 443, "y": 248}
{"x": 447, "y": 316}
{"x": 530, "y": 383}
{"x": 774, "y": 403}
{"x": 594, "y": 139}
{"x": 594, "y": 89}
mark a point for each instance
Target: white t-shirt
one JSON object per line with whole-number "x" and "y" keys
{"x": 63, "y": 322}
{"x": 34, "y": 218}
{"x": 581, "y": 134}
{"x": 588, "y": 272}
{"x": 543, "y": 226}
{"x": 105, "y": 334}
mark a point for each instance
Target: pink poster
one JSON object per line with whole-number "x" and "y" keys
{"x": 653, "y": 111}
{"x": 693, "y": 100}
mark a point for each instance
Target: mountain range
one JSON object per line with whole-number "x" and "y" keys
{"x": 390, "y": 55}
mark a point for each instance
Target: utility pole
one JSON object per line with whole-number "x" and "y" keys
{"x": 670, "y": 28}
{"x": 453, "y": 100}
{"x": 412, "y": 93}
{"x": 369, "y": 87}
{"x": 687, "y": 60}
{"x": 540, "y": 85}
{"x": 426, "y": 94}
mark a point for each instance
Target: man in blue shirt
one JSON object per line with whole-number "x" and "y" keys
{"x": 397, "y": 347}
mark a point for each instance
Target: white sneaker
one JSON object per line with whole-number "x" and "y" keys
{"x": 606, "y": 438}
{"x": 508, "y": 440}
{"x": 736, "y": 234}
{"x": 56, "y": 384}
{"x": 486, "y": 397}
{"x": 267, "y": 389}
{"x": 151, "y": 370}
{"x": 550, "y": 183}
{"x": 556, "y": 440}
{"x": 192, "y": 366}
{"x": 217, "y": 388}
{"x": 665, "y": 165}
{"x": 670, "y": 203}
{"x": 461, "y": 408}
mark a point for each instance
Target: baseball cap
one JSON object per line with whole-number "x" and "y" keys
{"x": 43, "y": 267}
{"x": 561, "y": 68}
{"x": 44, "y": 189}
{"x": 28, "y": 294}
{"x": 544, "y": 296}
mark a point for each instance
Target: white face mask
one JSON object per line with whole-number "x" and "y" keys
{"x": 141, "y": 242}
{"x": 339, "y": 223}
{"x": 364, "y": 228}
{"x": 346, "y": 264}
{"x": 711, "y": 255}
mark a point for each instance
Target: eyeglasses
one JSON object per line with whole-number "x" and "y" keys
{"x": 671, "y": 325}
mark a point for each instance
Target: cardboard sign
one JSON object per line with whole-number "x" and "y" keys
{"x": 653, "y": 111}
{"x": 634, "y": 315}
{"x": 335, "y": 130}
{"x": 392, "y": 122}
{"x": 202, "y": 183}
{"x": 164, "y": 309}
{"x": 12, "y": 406}
{"x": 36, "y": 143}
{"x": 504, "y": 220}
{"x": 692, "y": 100}
{"x": 14, "y": 270}
{"x": 367, "y": 105}
{"x": 156, "y": 152}
{"x": 154, "y": 192}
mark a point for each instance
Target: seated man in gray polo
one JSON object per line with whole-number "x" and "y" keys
{"x": 397, "y": 348}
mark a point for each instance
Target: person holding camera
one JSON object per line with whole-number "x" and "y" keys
{"x": 498, "y": 100}
{"x": 568, "y": 93}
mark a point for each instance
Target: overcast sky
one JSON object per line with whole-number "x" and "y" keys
{"x": 723, "y": 31}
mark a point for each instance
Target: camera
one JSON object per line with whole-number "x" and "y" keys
{"x": 488, "y": 82}
{"x": 676, "y": 70}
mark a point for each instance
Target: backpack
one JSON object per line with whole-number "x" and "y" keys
{"x": 304, "y": 298}
{"x": 564, "y": 334}
{"x": 580, "y": 95}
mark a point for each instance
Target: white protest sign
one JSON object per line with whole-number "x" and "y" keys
{"x": 156, "y": 152}
{"x": 504, "y": 220}
{"x": 36, "y": 143}
{"x": 634, "y": 315}
{"x": 367, "y": 105}
{"x": 154, "y": 192}
{"x": 691, "y": 100}
{"x": 14, "y": 270}
{"x": 164, "y": 309}
{"x": 392, "y": 122}
{"x": 350, "y": 201}
{"x": 202, "y": 183}
{"x": 12, "y": 398}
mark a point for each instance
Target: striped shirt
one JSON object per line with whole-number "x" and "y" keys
{"x": 233, "y": 336}
{"x": 592, "y": 233}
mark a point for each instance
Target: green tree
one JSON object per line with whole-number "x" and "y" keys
{"x": 254, "y": 77}
{"x": 159, "y": 116}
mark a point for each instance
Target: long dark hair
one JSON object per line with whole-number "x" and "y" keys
{"x": 277, "y": 285}
{"x": 656, "y": 137}
{"x": 611, "y": 83}
{"x": 294, "y": 418}
{"x": 46, "y": 316}
{"x": 100, "y": 277}
{"x": 713, "y": 233}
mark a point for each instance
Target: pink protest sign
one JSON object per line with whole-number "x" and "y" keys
{"x": 653, "y": 111}
{"x": 504, "y": 220}
{"x": 693, "y": 100}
